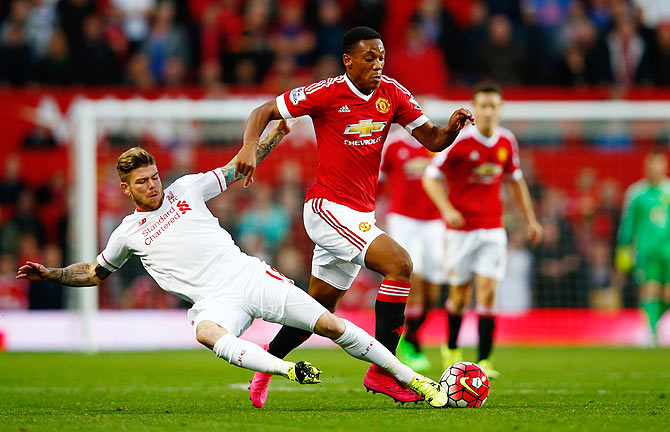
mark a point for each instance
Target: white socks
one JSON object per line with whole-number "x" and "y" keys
{"x": 248, "y": 355}
{"x": 358, "y": 343}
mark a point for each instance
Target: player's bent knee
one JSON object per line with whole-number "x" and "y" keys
{"x": 208, "y": 332}
{"x": 400, "y": 267}
{"x": 330, "y": 326}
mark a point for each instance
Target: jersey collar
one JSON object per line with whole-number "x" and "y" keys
{"x": 487, "y": 141}
{"x": 355, "y": 90}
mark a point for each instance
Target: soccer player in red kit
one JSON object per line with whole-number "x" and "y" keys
{"x": 474, "y": 167}
{"x": 352, "y": 114}
{"x": 413, "y": 221}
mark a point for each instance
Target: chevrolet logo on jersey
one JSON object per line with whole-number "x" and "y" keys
{"x": 364, "y": 128}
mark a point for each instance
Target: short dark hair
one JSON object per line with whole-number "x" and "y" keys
{"x": 355, "y": 35}
{"x": 487, "y": 87}
{"x": 130, "y": 159}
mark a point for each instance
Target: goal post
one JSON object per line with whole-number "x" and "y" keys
{"x": 90, "y": 113}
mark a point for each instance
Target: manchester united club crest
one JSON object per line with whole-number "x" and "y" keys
{"x": 502, "y": 154}
{"x": 364, "y": 226}
{"x": 383, "y": 105}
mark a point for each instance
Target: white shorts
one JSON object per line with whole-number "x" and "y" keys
{"x": 482, "y": 252}
{"x": 342, "y": 238}
{"x": 425, "y": 242}
{"x": 274, "y": 298}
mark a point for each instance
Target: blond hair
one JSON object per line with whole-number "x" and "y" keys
{"x": 130, "y": 159}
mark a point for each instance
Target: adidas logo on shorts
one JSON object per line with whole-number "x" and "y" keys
{"x": 344, "y": 109}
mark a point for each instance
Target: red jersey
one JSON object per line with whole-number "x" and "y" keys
{"x": 474, "y": 166}
{"x": 404, "y": 161}
{"x": 350, "y": 128}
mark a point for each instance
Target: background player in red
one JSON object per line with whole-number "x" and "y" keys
{"x": 352, "y": 114}
{"x": 414, "y": 222}
{"x": 474, "y": 167}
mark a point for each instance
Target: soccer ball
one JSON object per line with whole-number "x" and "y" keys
{"x": 467, "y": 385}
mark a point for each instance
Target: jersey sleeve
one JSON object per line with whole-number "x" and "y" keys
{"x": 116, "y": 253}
{"x": 307, "y": 100}
{"x": 209, "y": 184}
{"x": 408, "y": 113}
{"x": 437, "y": 166}
{"x": 513, "y": 163}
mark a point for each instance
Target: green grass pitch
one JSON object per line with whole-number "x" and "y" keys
{"x": 542, "y": 389}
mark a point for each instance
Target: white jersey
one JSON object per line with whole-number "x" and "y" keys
{"x": 181, "y": 244}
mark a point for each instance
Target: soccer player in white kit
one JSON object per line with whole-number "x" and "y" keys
{"x": 472, "y": 171}
{"x": 182, "y": 246}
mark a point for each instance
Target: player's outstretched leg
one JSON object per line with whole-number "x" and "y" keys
{"x": 248, "y": 355}
{"x": 359, "y": 344}
{"x": 288, "y": 338}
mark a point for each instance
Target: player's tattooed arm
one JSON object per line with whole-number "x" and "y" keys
{"x": 263, "y": 149}
{"x": 75, "y": 275}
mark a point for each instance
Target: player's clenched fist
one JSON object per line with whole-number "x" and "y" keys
{"x": 459, "y": 119}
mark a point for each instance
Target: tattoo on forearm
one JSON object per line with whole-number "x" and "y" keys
{"x": 265, "y": 146}
{"x": 76, "y": 275}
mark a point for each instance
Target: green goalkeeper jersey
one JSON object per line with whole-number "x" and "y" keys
{"x": 645, "y": 222}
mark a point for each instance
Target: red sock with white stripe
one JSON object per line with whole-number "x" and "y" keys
{"x": 390, "y": 312}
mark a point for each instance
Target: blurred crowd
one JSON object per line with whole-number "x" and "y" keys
{"x": 278, "y": 44}
{"x": 572, "y": 267}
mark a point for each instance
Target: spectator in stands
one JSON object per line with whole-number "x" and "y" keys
{"x": 658, "y": 57}
{"x": 71, "y": 16}
{"x": 16, "y": 66}
{"x": 41, "y": 22}
{"x": 138, "y": 72}
{"x": 97, "y": 63}
{"x": 328, "y": 29}
{"x": 220, "y": 28}
{"x": 56, "y": 67}
{"x": 167, "y": 47}
{"x": 253, "y": 47}
{"x": 134, "y": 15}
{"x": 500, "y": 58}
{"x": 11, "y": 185}
{"x": 27, "y": 216}
{"x": 211, "y": 78}
{"x": 575, "y": 65}
{"x": 292, "y": 37}
{"x": 428, "y": 73}
{"x": 626, "y": 48}
{"x": 437, "y": 25}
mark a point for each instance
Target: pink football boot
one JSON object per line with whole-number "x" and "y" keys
{"x": 377, "y": 380}
{"x": 258, "y": 386}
